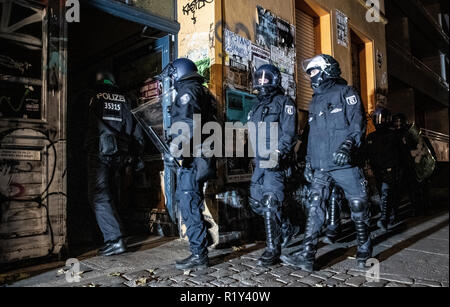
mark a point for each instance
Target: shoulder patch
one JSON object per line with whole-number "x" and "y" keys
{"x": 290, "y": 110}
{"x": 352, "y": 100}
{"x": 185, "y": 99}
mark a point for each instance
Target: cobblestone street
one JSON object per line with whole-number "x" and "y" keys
{"x": 414, "y": 255}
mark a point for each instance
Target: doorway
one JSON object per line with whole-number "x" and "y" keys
{"x": 135, "y": 54}
{"x": 363, "y": 70}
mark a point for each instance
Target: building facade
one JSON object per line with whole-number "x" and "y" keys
{"x": 230, "y": 39}
{"x": 418, "y": 44}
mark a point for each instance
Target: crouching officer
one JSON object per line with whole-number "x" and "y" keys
{"x": 192, "y": 99}
{"x": 112, "y": 134}
{"x": 267, "y": 191}
{"x": 337, "y": 129}
{"x": 384, "y": 152}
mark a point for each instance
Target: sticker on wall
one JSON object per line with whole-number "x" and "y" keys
{"x": 342, "y": 28}
{"x": 284, "y": 59}
{"x": 288, "y": 84}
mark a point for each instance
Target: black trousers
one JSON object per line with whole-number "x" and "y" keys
{"x": 103, "y": 185}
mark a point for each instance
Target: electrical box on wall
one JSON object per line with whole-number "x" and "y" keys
{"x": 238, "y": 105}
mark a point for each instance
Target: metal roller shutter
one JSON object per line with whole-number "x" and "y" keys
{"x": 306, "y": 48}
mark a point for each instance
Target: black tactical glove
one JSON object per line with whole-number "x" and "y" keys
{"x": 309, "y": 173}
{"x": 343, "y": 155}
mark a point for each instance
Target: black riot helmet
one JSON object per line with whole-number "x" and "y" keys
{"x": 399, "y": 121}
{"x": 104, "y": 76}
{"x": 381, "y": 117}
{"x": 321, "y": 68}
{"x": 179, "y": 70}
{"x": 267, "y": 79}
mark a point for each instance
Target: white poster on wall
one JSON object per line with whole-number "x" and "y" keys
{"x": 236, "y": 45}
{"x": 342, "y": 28}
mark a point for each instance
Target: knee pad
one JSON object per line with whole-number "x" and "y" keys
{"x": 314, "y": 200}
{"x": 271, "y": 204}
{"x": 256, "y": 206}
{"x": 360, "y": 209}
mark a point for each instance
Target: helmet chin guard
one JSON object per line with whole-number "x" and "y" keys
{"x": 327, "y": 66}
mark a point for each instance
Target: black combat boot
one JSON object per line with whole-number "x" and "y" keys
{"x": 365, "y": 249}
{"x": 113, "y": 248}
{"x": 334, "y": 222}
{"x": 384, "y": 220}
{"x": 288, "y": 232}
{"x": 271, "y": 255}
{"x": 193, "y": 262}
{"x": 304, "y": 259}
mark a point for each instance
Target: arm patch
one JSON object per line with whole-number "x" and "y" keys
{"x": 352, "y": 100}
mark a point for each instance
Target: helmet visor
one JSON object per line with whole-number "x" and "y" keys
{"x": 168, "y": 72}
{"x": 313, "y": 66}
{"x": 380, "y": 118}
{"x": 262, "y": 78}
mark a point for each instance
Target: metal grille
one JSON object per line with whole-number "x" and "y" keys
{"x": 306, "y": 48}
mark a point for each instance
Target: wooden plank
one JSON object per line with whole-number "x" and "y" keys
{"x": 24, "y": 248}
{"x": 27, "y": 178}
{"x": 20, "y": 222}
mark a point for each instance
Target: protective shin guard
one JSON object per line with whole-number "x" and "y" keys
{"x": 288, "y": 232}
{"x": 304, "y": 259}
{"x": 385, "y": 214}
{"x": 272, "y": 253}
{"x": 364, "y": 252}
{"x": 333, "y": 228}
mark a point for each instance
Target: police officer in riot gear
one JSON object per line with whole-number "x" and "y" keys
{"x": 112, "y": 134}
{"x": 337, "y": 129}
{"x": 192, "y": 98}
{"x": 267, "y": 190}
{"x": 384, "y": 150}
{"x": 418, "y": 188}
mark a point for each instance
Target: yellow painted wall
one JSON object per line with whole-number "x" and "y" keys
{"x": 241, "y": 15}
{"x": 195, "y": 40}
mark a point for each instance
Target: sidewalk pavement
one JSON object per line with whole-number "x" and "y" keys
{"x": 415, "y": 254}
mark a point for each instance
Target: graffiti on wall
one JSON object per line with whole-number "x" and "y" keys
{"x": 192, "y": 7}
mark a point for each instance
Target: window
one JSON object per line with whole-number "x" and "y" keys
{"x": 22, "y": 61}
